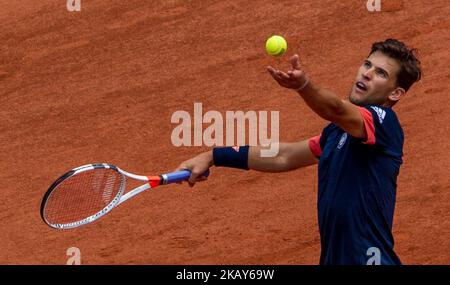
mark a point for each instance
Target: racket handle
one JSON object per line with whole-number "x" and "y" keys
{"x": 182, "y": 175}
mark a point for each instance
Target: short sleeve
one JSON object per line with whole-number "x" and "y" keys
{"x": 317, "y": 143}
{"x": 314, "y": 146}
{"x": 382, "y": 127}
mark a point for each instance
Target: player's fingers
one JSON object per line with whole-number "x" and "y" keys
{"x": 270, "y": 68}
{"x": 202, "y": 178}
{"x": 283, "y": 75}
{"x": 295, "y": 74}
{"x": 272, "y": 71}
{"x": 274, "y": 74}
{"x": 295, "y": 61}
{"x": 193, "y": 178}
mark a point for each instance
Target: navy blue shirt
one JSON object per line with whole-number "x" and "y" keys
{"x": 357, "y": 189}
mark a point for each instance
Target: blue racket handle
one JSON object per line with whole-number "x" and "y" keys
{"x": 182, "y": 175}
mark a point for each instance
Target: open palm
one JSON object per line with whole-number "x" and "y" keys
{"x": 293, "y": 79}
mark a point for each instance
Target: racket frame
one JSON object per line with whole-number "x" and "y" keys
{"x": 119, "y": 198}
{"x": 151, "y": 182}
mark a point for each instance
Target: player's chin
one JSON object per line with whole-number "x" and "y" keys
{"x": 357, "y": 99}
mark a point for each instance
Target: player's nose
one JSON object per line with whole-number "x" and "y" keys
{"x": 368, "y": 74}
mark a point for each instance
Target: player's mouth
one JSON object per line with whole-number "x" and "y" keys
{"x": 361, "y": 87}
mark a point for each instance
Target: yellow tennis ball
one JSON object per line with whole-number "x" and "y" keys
{"x": 276, "y": 45}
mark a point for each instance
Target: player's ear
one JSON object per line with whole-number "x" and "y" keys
{"x": 396, "y": 94}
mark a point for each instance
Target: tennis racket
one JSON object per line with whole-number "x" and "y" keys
{"x": 87, "y": 193}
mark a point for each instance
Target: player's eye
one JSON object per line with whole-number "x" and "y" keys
{"x": 367, "y": 64}
{"x": 381, "y": 73}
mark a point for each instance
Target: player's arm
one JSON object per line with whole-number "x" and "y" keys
{"x": 330, "y": 107}
{"x": 290, "y": 156}
{"x": 323, "y": 102}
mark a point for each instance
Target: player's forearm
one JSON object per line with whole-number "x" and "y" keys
{"x": 323, "y": 102}
{"x": 289, "y": 156}
{"x": 258, "y": 162}
{"x": 252, "y": 160}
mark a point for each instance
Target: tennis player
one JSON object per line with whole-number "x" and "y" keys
{"x": 359, "y": 154}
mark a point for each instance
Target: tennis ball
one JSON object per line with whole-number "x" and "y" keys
{"x": 276, "y": 45}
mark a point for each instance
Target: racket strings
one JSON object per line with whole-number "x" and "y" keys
{"x": 83, "y": 195}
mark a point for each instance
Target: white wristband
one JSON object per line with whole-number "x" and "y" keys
{"x": 303, "y": 86}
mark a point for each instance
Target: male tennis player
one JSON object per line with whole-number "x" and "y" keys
{"x": 359, "y": 154}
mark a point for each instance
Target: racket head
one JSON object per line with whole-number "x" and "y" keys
{"x": 82, "y": 195}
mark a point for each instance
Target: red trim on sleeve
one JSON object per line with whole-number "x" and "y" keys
{"x": 314, "y": 145}
{"x": 369, "y": 125}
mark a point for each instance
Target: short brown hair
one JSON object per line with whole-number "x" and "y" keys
{"x": 410, "y": 71}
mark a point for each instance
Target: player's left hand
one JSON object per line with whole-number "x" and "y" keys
{"x": 292, "y": 79}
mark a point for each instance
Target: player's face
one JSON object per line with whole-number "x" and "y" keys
{"x": 376, "y": 81}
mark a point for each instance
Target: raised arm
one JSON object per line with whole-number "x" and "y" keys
{"x": 322, "y": 101}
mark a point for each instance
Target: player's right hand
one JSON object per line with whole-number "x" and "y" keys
{"x": 293, "y": 78}
{"x": 197, "y": 165}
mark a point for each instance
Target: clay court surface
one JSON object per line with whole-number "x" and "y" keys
{"x": 101, "y": 85}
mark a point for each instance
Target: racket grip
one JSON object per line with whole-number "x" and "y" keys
{"x": 182, "y": 175}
